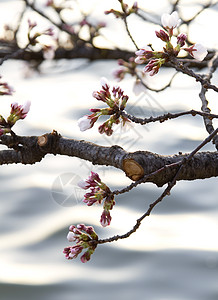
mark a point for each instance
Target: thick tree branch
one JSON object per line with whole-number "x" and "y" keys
{"x": 166, "y": 192}
{"x": 81, "y": 51}
{"x": 29, "y": 150}
{"x": 9, "y": 49}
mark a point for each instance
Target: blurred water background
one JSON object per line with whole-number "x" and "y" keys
{"x": 173, "y": 256}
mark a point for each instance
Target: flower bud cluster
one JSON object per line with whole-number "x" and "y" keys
{"x": 154, "y": 59}
{"x": 48, "y": 50}
{"x": 126, "y": 10}
{"x": 93, "y": 28}
{"x": 170, "y": 21}
{"x": 4, "y": 130}
{"x": 17, "y": 112}
{"x": 126, "y": 67}
{"x": 98, "y": 192}
{"x": 33, "y": 36}
{"x": 56, "y": 6}
{"x": 116, "y": 101}
{"x": 4, "y": 126}
{"x": 85, "y": 238}
{"x": 109, "y": 202}
{"x": 5, "y": 89}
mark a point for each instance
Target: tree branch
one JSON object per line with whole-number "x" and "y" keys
{"x": 29, "y": 150}
{"x": 179, "y": 66}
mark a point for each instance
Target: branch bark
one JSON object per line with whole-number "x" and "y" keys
{"x": 85, "y": 50}
{"x": 32, "y": 149}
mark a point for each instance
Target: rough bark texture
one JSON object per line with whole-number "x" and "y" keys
{"x": 85, "y": 50}
{"x": 29, "y": 150}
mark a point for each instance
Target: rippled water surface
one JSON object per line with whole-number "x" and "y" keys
{"x": 173, "y": 256}
{"x": 174, "y": 253}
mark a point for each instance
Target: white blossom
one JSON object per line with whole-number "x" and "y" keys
{"x": 26, "y": 107}
{"x": 199, "y": 52}
{"x": 170, "y": 21}
{"x": 142, "y": 51}
{"x": 71, "y": 236}
{"x": 139, "y": 59}
{"x": 105, "y": 83}
{"x": 83, "y": 184}
{"x": 84, "y": 123}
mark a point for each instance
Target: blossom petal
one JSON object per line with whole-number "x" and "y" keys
{"x": 26, "y": 107}
{"x": 200, "y": 52}
{"x": 84, "y": 123}
{"x": 170, "y": 21}
{"x": 105, "y": 83}
{"x": 83, "y": 184}
{"x": 71, "y": 236}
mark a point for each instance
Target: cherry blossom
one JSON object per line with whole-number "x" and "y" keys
{"x": 83, "y": 236}
{"x": 105, "y": 83}
{"x": 84, "y": 123}
{"x": 198, "y": 51}
{"x": 20, "y": 111}
{"x": 71, "y": 236}
{"x": 170, "y": 21}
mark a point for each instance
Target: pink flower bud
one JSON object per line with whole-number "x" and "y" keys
{"x": 143, "y": 51}
{"x": 135, "y": 6}
{"x": 72, "y": 227}
{"x": 119, "y": 73}
{"x": 98, "y": 96}
{"x": 94, "y": 110}
{"x": 5, "y": 89}
{"x": 105, "y": 218}
{"x": 181, "y": 38}
{"x": 82, "y": 241}
{"x": 83, "y": 184}
{"x": 20, "y": 111}
{"x": 85, "y": 257}
{"x": 1, "y": 131}
{"x": 95, "y": 176}
{"x": 143, "y": 54}
{"x": 162, "y": 35}
{"x": 121, "y": 62}
{"x": 89, "y": 230}
{"x": 81, "y": 227}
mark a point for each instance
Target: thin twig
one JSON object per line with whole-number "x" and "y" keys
{"x": 128, "y": 32}
{"x": 162, "y": 196}
{"x": 167, "y": 116}
{"x": 156, "y": 90}
{"x": 207, "y": 119}
{"x": 178, "y": 65}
